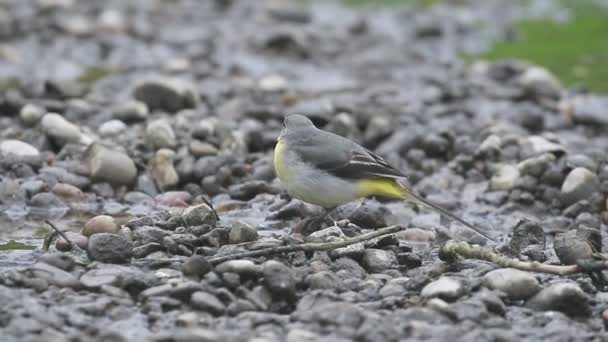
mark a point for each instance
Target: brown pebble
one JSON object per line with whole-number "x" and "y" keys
{"x": 79, "y": 239}
{"x": 196, "y": 265}
{"x": 174, "y": 198}
{"x": 416, "y": 234}
{"x": 100, "y": 224}
{"x": 67, "y": 191}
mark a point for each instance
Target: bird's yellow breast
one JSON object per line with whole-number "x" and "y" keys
{"x": 279, "y": 161}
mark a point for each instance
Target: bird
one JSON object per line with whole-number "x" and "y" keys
{"x": 328, "y": 170}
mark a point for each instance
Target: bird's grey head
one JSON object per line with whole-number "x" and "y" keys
{"x": 293, "y": 124}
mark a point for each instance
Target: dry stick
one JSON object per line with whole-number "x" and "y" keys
{"x": 70, "y": 243}
{"x": 308, "y": 247}
{"x": 451, "y": 250}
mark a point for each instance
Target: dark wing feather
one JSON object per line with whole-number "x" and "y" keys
{"x": 365, "y": 164}
{"x": 342, "y": 157}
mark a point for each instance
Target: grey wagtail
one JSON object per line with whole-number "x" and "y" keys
{"x": 328, "y": 170}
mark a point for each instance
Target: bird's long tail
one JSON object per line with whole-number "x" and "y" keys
{"x": 416, "y": 198}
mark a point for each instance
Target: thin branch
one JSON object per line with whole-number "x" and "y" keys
{"x": 307, "y": 247}
{"x": 452, "y": 250}
{"x": 70, "y": 243}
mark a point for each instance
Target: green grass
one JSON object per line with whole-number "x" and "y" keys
{"x": 575, "y": 51}
{"x": 14, "y": 245}
{"x": 94, "y": 74}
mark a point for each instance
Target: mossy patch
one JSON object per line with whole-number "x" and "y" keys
{"x": 94, "y": 74}
{"x": 14, "y": 245}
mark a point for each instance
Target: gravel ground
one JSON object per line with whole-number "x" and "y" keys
{"x": 119, "y": 121}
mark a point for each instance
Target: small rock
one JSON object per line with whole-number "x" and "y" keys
{"x": 535, "y": 145}
{"x": 196, "y": 265}
{"x": 490, "y": 146}
{"x": 174, "y": 198}
{"x": 446, "y": 288}
{"x": 79, "y": 239}
{"x": 111, "y": 20}
{"x": 162, "y": 169}
{"x": 580, "y": 160}
{"x": 370, "y": 214}
{"x": 273, "y": 83}
{"x": 107, "y": 165}
{"x": 63, "y": 131}
{"x": 525, "y": 233}
{"x": 18, "y": 148}
{"x": 535, "y": 166}
{"x": 588, "y": 109}
{"x": 109, "y": 248}
{"x": 514, "y": 283}
{"x": 60, "y": 260}
{"x": 100, "y": 224}
{"x": 579, "y": 184}
{"x": 246, "y": 267}
{"x": 566, "y": 297}
{"x": 67, "y": 191}
{"x": 166, "y": 94}
{"x": 199, "y": 214}
{"x": 539, "y": 81}
{"x": 378, "y": 260}
{"x": 132, "y": 111}
{"x": 504, "y": 178}
{"x": 570, "y": 248}
{"x": 279, "y": 280}
{"x": 242, "y": 232}
{"x": 202, "y": 149}
{"x": 30, "y": 114}
{"x": 112, "y": 127}
{"x": 54, "y": 275}
{"x": 159, "y": 134}
{"x": 207, "y": 302}
{"x": 329, "y": 234}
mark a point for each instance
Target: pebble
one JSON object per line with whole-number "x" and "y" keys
{"x": 570, "y": 248}
{"x": 378, "y": 260}
{"x": 540, "y": 82}
{"x": 273, "y": 83}
{"x": 279, "y": 280}
{"x": 536, "y": 166}
{"x": 328, "y": 234}
{"x": 207, "y": 302}
{"x": 67, "y": 191}
{"x": 31, "y": 114}
{"x": 490, "y": 146}
{"x": 131, "y": 111}
{"x": 514, "y": 283}
{"x": 370, "y": 214}
{"x": 163, "y": 170}
{"x": 109, "y": 248}
{"x": 202, "y": 149}
{"x": 246, "y": 267}
{"x": 79, "y": 239}
{"x": 159, "y": 134}
{"x": 535, "y": 145}
{"x": 196, "y": 265}
{"x": 112, "y": 127}
{"x": 242, "y": 232}
{"x": 589, "y": 109}
{"x": 446, "y": 288}
{"x": 167, "y": 94}
{"x": 100, "y": 224}
{"x": 173, "y": 198}
{"x": 18, "y": 148}
{"x": 566, "y": 297}
{"x": 505, "y": 177}
{"x": 54, "y": 275}
{"x": 109, "y": 165}
{"x": 580, "y": 184}
{"x": 63, "y": 131}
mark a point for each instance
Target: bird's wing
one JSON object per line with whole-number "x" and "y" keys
{"x": 344, "y": 158}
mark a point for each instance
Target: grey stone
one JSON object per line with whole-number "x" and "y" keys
{"x": 18, "y": 148}
{"x": 30, "y": 114}
{"x": 63, "y": 131}
{"x": 329, "y": 234}
{"x": 242, "y": 266}
{"x": 207, "y": 302}
{"x": 110, "y": 248}
{"x": 109, "y": 165}
{"x": 166, "y": 94}
{"x": 566, "y": 297}
{"x": 196, "y": 265}
{"x": 279, "y": 280}
{"x": 160, "y": 134}
{"x": 242, "y": 232}
{"x": 579, "y": 184}
{"x": 445, "y": 288}
{"x": 505, "y": 177}
{"x": 54, "y": 275}
{"x": 131, "y": 111}
{"x": 370, "y": 214}
{"x": 112, "y": 128}
{"x": 514, "y": 283}
{"x": 378, "y": 260}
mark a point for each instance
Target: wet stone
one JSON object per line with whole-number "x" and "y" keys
{"x": 378, "y": 260}
{"x": 445, "y": 288}
{"x": 514, "y": 283}
{"x": 279, "y": 280}
{"x": 110, "y": 248}
{"x": 565, "y": 297}
{"x": 207, "y": 302}
{"x": 242, "y": 232}
{"x": 196, "y": 265}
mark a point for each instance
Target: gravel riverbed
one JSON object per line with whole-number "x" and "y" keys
{"x": 124, "y": 122}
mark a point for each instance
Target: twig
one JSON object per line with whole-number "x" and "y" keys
{"x": 307, "y": 247}
{"x": 70, "y": 243}
{"x": 452, "y": 250}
